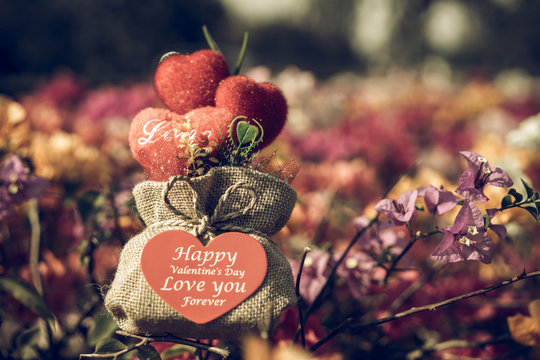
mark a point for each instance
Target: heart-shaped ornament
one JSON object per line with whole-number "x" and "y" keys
{"x": 201, "y": 282}
{"x": 211, "y": 122}
{"x": 263, "y": 102}
{"x": 154, "y": 142}
{"x": 157, "y": 141}
{"x": 187, "y": 82}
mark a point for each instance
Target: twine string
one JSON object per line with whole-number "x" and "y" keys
{"x": 202, "y": 224}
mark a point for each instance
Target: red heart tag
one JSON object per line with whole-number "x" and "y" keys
{"x": 203, "y": 282}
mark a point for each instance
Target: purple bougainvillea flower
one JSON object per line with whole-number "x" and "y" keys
{"x": 356, "y": 270}
{"x": 17, "y": 186}
{"x": 400, "y": 211}
{"x": 313, "y": 274}
{"x": 466, "y": 239}
{"x": 479, "y": 174}
{"x": 438, "y": 201}
{"x": 381, "y": 237}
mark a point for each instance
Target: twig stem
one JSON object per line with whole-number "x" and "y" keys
{"x": 348, "y": 323}
{"x": 299, "y": 298}
{"x": 144, "y": 340}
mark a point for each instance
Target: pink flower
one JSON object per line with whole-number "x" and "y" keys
{"x": 400, "y": 211}
{"x": 381, "y": 238}
{"x": 356, "y": 270}
{"x": 17, "y": 185}
{"x": 438, "y": 201}
{"x": 466, "y": 239}
{"x": 313, "y": 274}
{"x": 478, "y": 175}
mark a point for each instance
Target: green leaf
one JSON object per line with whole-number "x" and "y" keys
{"x": 90, "y": 202}
{"x": 110, "y": 345}
{"x": 419, "y": 207}
{"x": 175, "y": 350}
{"x": 528, "y": 189}
{"x": 486, "y": 220}
{"x": 104, "y": 327}
{"x": 246, "y": 133}
{"x": 506, "y": 201}
{"x": 148, "y": 352}
{"x": 27, "y": 341}
{"x": 28, "y": 337}
{"x": 515, "y": 194}
{"x": 210, "y": 40}
{"x": 241, "y": 55}
{"x": 27, "y": 295}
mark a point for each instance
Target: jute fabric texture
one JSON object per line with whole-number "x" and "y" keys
{"x": 225, "y": 199}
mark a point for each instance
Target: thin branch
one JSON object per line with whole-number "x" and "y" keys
{"x": 353, "y": 241}
{"x": 297, "y": 290}
{"x": 405, "y": 250}
{"x": 340, "y": 260}
{"x": 317, "y": 299}
{"x": 144, "y": 340}
{"x": 456, "y": 343}
{"x": 414, "y": 287}
{"x": 397, "y": 259}
{"x": 348, "y": 323}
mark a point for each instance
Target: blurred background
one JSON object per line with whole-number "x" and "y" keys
{"x": 109, "y": 41}
{"x": 376, "y": 90}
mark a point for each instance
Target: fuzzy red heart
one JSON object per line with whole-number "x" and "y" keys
{"x": 201, "y": 282}
{"x": 155, "y": 138}
{"x": 211, "y": 121}
{"x": 263, "y": 102}
{"x": 187, "y": 82}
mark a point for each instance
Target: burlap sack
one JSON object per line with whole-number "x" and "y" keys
{"x": 228, "y": 199}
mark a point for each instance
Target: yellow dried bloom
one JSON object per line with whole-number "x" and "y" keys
{"x": 526, "y": 329}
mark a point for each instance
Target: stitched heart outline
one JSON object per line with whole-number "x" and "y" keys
{"x": 201, "y": 282}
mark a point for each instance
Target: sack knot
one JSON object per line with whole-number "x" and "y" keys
{"x": 202, "y": 224}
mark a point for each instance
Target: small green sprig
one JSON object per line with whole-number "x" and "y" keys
{"x": 530, "y": 201}
{"x": 199, "y": 158}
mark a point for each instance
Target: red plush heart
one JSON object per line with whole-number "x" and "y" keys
{"x": 263, "y": 102}
{"x": 211, "y": 121}
{"x": 187, "y": 82}
{"x": 153, "y": 140}
{"x": 201, "y": 282}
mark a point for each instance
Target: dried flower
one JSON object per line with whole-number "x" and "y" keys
{"x": 14, "y": 129}
{"x": 526, "y": 329}
{"x": 63, "y": 157}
